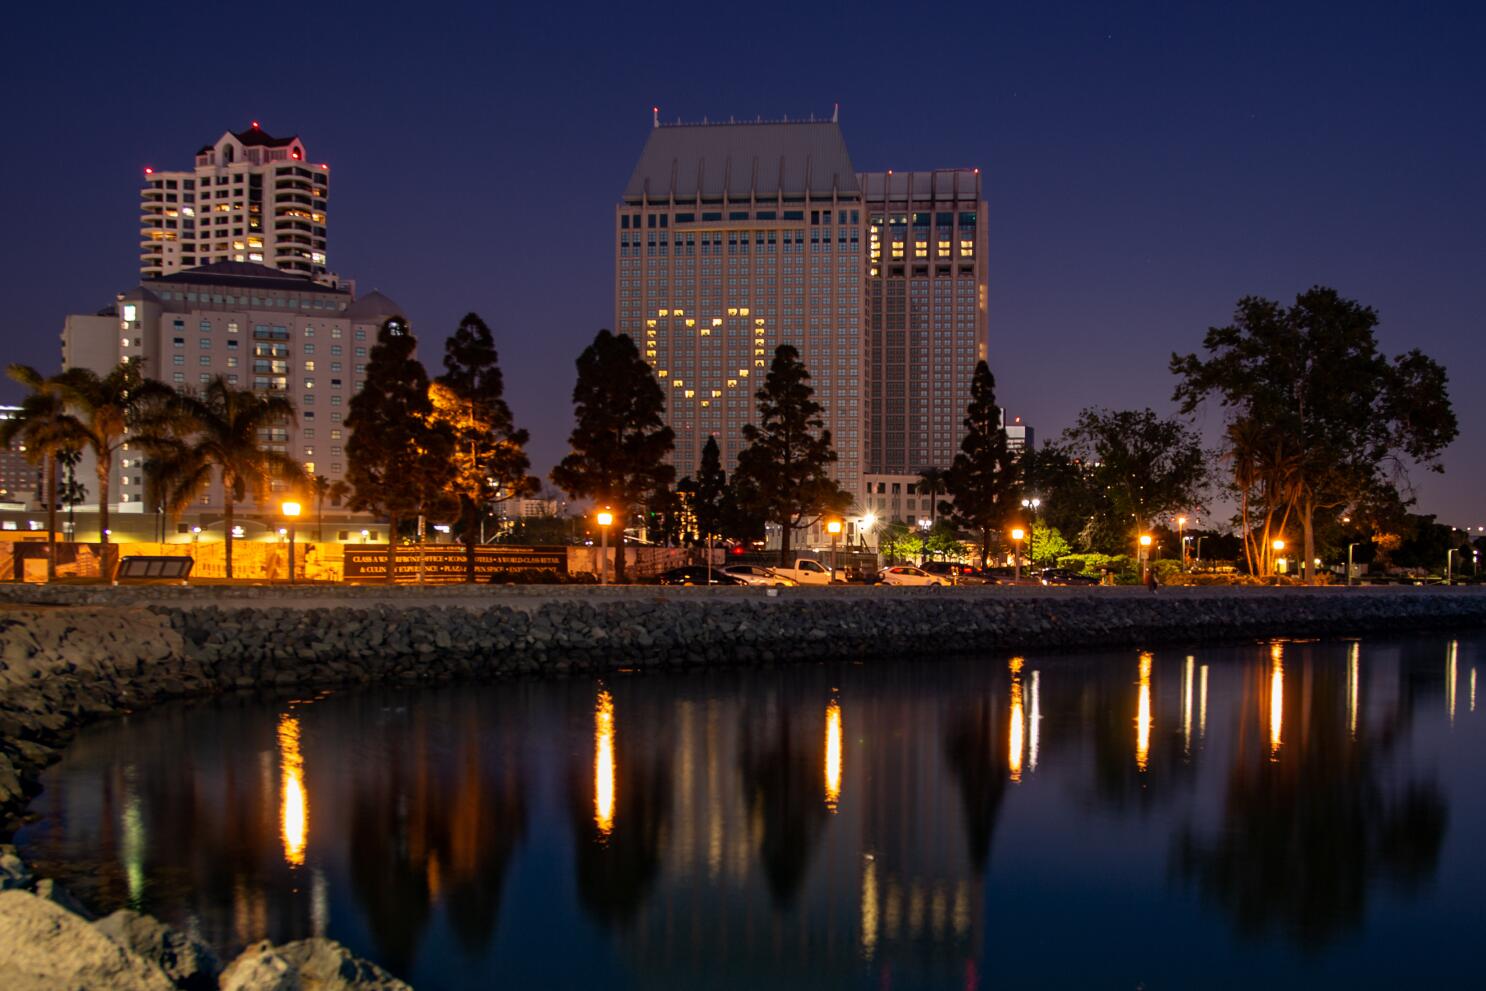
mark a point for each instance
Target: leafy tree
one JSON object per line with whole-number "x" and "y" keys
{"x": 1143, "y": 466}
{"x": 1047, "y": 545}
{"x": 1312, "y": 375}
{"x": 218, "y": 432}
{"x": 620, "y": 442}
{"x": 897, "y": 541}
{"x": 785, "y": 466}
{"x": 399, "y": 455}
{"x": 663, "y": 511}
{"x": 107, "y": 409}
{"x": 984, "y": 479}
{"x": 45, "y": 429}
{"x": 943, "y": 540}
{"x": 490, "y": 462}
{"x": 1064, "y": 482}
{"x": 320, "y": 488}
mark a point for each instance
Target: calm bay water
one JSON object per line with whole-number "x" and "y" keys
{"x": 1299, "y": 814}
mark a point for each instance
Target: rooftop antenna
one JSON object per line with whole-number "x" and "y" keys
{"x": 835, "y": 113}
{"x": 655, "y": 116}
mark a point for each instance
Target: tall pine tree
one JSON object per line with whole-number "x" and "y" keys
{"x": 490, "y": 462}
{"x": 398, "y": 454}
{"x": 984, "y": 479}
{"x": 785, "y": 465}
{"x": 710, "y": 491}
{"x": 620, "y": 442}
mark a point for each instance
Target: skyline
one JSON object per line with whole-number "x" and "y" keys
{"x": 1142, "y": 176}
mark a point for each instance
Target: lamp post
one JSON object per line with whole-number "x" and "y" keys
{"x": 833, "y": 527}
{"x": 603, "y": 518}
{"x": 1032, "y": 504}
{"x": 290, "y": 509}
{"x": 1450, "y": 566}
{"x": 1145, "y": 554}
{"x": 1181, "y": 533}
{"x": 1349, "y": 564}
{"x": 1017, "y": 534}
{"x": 1278, "y": 545}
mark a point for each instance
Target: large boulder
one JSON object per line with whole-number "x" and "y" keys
{"x": 189, "y": 965}
{"x": 53, "y": 891}
{"x": 307, "y": 965}
{"x": 13, "y": 871}
{"x": 43, "y": 947}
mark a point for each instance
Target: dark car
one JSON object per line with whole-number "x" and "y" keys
{"x": 1062, "y": 576}
{"x": 695, "y": 575}
{"x": 960, "y": 574}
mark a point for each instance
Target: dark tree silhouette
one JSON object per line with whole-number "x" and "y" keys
{"x": 620, "y": 442}
{"x": 983, "y": 481}
{"x": 399, "y": 457}
{"x": 785, "y": 468}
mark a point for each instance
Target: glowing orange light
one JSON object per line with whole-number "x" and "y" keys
{"x": 294, "y": 816}
{"x": 1276, "y": 696}
{"x": 1017, "y": 733}
{"x": 1143, "y": 715}
{"x": 833, "y": 755}
{"x": 603, "y": 764}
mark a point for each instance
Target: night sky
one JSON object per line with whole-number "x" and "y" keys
{"x": 1147, "y": 164}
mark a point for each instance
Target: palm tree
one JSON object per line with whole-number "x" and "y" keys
{"x": 45, "y": 430}
{"x": 220, "y": 428}
{"x": 107, "y": 408}
{"x": 320, "y": 486}
{"x": 933, "y": 482}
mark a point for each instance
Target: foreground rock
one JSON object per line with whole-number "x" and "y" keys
{"x": 308, "y": 965}
{"x": 190, "y": 965}
{"x": 43, "y": 947}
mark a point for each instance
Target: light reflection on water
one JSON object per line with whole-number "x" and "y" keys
{"x": 1278, "y": 808}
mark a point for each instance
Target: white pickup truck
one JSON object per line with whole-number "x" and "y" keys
{"x": 806, "y": 571}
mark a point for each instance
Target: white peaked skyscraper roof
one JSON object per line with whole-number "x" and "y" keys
{"x": 742, "y": 160}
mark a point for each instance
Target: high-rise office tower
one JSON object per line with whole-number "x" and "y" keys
{"x": 251, "y": 197}
{"x": 730, "y": 240}
{"x": 926, "y": 313}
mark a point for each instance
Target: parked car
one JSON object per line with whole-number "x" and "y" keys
{"x": 906, "y": 574}
{"x": 807, "y": 571}
{"x": 1062, "y": 576}
{"x": 956, "y": 573}
{"x": 754, "y": 574}
{"x": 694, "y": 574}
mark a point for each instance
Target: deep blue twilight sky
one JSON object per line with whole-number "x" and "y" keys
{"x": 1147, "y": 163}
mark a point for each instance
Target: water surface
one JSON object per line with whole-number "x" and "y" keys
{"x": 1299, "y": 814}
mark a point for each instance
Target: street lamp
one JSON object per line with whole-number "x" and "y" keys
{"x": 868, "y": 522}
{"x": 1278, "y": 545}
{"x": 1349, "y": 564}
{"x": 833, "y": 527}
{"x": 604, "y": 518}
{"x": 1450, "y": 566}
{"x": 1145, "y": 553}
{"x": 1017, "y": 534}
{"x": 1032, "y": 504}
{"x": 290, "y": 509}
{"x": 1181, "y": 530}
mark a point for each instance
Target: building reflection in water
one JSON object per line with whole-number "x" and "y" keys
{"x": 724, "y": 832}
{"x": 294, "y": 816}
{"x": 1143, "y": 715}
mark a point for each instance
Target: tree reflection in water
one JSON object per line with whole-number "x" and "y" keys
{"x": 619, "y": 801}
{"x": 783, "y": 778}
{"x": 974, "y": 749}
{"x": 438, "y": 820}
{"x": 1309, "y": 823}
